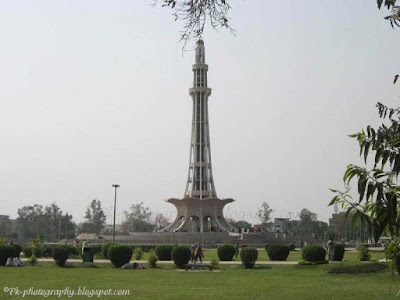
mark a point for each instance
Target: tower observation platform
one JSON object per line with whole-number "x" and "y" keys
{"x": 200, "y": 210}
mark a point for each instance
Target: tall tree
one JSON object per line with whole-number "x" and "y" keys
{"x": 264, "y": 213}
{"x": 138, "y": 218}
{"x": 307, "y": 221}
{"x": 95, "y": 216}
{"x": 378, "y": 190}
{"x": 48, "y": 223}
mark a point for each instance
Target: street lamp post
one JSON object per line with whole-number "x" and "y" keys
{"x": 115, "y": 186}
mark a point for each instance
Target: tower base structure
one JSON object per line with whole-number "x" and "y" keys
{"x": 199, "y": 215}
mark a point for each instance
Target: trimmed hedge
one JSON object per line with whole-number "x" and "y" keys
{"x": 358, "y": 268}
{"x": 292, "y": 247}
{"x": 226, "y": 252}
{"x": 60, "y": 255}
{"x": 163, "y": 252}
{"x": 278, "y": 252}
{"x": 248, "y": 256}
{"x": 119, "y": 255}
{"x": 181, "y": 255}
{"x": 313, "y": 253}
{"x": 6, "y": 251}
{"x": 338, "y": 252}
{"x": 104, "y": 249}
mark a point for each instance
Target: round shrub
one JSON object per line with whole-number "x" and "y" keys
{"x": 17, "y": 249}
{"x": 248, "y": 256}
{"x": 292, "y": 247}
{"x": 180, "y": 255}
{"x": 104, "y": 249}
{"x": 119, "y": 255}
{"x": 278, "y": 252}
{"x": 48, "y": 250}
{"x": 313, "y": 253}
{"x": 60, "y": 255}
{"x": 94, "y": 249}
{"x": 338, "y": 252}
{"x": 27, "y": 251}
{"x": 163, "y": 252}
{"x": 6, "y": 251}
{"x": 226, "y": 252}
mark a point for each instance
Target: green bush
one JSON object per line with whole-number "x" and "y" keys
{"x": 278, "y": 252}
{"x": 363, "y": 253}
{"x": 226, "y": 252}
{"x": 17, "y": 249}
{"x": 48, "y": 250}
{"x": 6, "y": 251}
{"x": 60, "y": 255}
{"x": 338, "y": 252}
{"x": 32, "y": 260}
{"x": 37, "y": 247}
{"x": 94, "y": 249}
{"x": 314, "y": 253}
{"x": 152, "y": 259}
{"x": 311, "y": 263}
{"x": 119, "y": 255}
{"x": 104, "y": 249}
{"x": 181, "y": 255}
{"x": 27, "y": 250}
{"x": 214, "y": 262}
{"x": 358, "y": 268}
{"x": 248, "y": 256}
{"x": 292, "y": 247}
{"x": 266, "y": 247}
{"x": 163, "y": 252}
{"x": 138, "y": 253}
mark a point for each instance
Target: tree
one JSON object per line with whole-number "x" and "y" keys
{"x": 48, "y": 222}
{"x": 394, "y": 16}
{"x": 264, "y": 213}
{"x": 195, "y": 14}
{"x": 161, "y": 221}
{"x": 96, "y": 218}
{"x": 378, "y": 192}
{"x": 242, "y": 224}
{"x": 307, "y": 220}
{"x": 138, "y": 218}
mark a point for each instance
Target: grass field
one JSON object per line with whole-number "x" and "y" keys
{"x": 229, "y": 282}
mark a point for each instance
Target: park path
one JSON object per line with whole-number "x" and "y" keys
{"x": 105, "y": 261}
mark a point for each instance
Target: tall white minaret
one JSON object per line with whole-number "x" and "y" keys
{"x": 200, "y": 183}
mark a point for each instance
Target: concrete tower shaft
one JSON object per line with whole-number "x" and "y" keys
{"x": 200, "y": 182}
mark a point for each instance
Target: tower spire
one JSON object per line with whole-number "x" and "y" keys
{"x": 200, "y": 210}
{"x": 200, "y": 183}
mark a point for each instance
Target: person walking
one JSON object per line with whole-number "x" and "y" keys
{"x": 198, "y": 253}
{"x": 330, "y": 249}
{"x": 236, "y": 250}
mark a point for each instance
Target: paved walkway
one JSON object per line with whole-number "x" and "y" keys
{"x": 105, "y": 261}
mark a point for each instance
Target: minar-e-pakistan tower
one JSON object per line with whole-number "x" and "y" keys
{"x": 200, "y": 210}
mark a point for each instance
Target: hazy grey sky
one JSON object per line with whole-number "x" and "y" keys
{"x": 96, "y": 92}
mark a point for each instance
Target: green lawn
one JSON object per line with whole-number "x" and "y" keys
{"x": 231, "y": 282}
